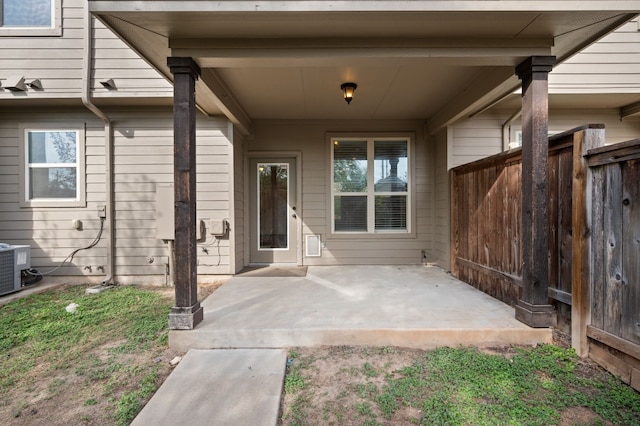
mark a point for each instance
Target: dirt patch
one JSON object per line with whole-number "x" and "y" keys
{"x": 340, "y": 383}
{"x": 340, "y": 376}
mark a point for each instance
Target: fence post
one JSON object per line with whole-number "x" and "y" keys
{"x": 584, "y": 140}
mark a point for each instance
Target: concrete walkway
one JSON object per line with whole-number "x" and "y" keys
{"x": 262, "y": 314}
{"x": 231, "y": 387}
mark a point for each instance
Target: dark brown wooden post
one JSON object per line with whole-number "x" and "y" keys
{"x": 187, "y": 313}
{"x": 533, "y": 308}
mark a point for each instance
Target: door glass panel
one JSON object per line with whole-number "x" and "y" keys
{"x": 273, "y": 196}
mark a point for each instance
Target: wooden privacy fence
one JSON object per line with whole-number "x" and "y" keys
{"x": 614, "y": 330}
{"x": 594, "y": 239}
{"x": 486, "y": 227}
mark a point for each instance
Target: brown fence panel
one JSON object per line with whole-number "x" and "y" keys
{"x": 614, "y": 333}
{"x": 486, "y": 227}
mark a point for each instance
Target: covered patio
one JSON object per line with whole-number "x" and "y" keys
{"x": 409, "y": 305}
{"x": 273, "y": 70}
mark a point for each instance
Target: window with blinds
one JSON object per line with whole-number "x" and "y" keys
{"x": 370, "y": 185}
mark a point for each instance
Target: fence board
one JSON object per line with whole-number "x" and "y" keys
{"x": 615, "y": 259}
{"x": 598, "y": 242}
{"x": 613, "y": 235}
{"x": 515, "y": 204}
{"x": 554, "y": 225}
{"x": 565, "y": 209}
{"x": 630, "y": 327}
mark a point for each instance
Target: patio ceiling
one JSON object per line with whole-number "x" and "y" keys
{"x": 286, "y": 60}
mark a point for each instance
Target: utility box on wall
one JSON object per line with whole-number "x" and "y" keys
{"x": 165, "y": 223}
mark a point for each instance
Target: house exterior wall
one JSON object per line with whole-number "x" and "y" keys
{"x": 442, "y": 236}
{"x": 311, "y": 140}
{"x": 481, "y": 136}
{"x": 57, "y": 61}
{"x": 142, "y": 120}
{"x": 48, "y": 230}
{"x": 239, "y": 202}
{"x": 143, "y": 159}
{"x": 611, "y": 65}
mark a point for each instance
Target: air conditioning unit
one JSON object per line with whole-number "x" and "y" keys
{"x": 13, "y": 260}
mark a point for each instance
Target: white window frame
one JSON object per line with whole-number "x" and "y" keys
{"x": 54, "y": 30}
{"x": 371, "y": 232}
{"x": 25, "y": 165}
{"x": 517, "y": 143}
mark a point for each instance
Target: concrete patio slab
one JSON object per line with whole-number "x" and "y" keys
{"x": 222, "y": 388}
{"x": 410, "y": 306}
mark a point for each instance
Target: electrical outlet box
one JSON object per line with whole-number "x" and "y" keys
{"x": 164, "y": 212}
{"x": 218, "y": 228}
{"x": 102, "y": 212}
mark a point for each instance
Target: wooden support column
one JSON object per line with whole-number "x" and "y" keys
{"x": 187, "y": 313}
{"x": 533, "y": 308}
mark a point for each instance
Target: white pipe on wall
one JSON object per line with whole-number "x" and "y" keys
{"x": 108, "y": 141}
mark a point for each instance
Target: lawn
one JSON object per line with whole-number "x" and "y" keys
{"x": 100, "y": 363}
{"x": 97, "y": 365}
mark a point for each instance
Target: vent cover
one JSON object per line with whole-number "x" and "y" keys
{"x": 312, "y": 246}
{"x": 7, "y": 270}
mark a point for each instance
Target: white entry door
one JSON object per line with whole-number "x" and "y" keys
{"x": 274, "y": 236}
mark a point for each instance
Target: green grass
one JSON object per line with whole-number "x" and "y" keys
{"x": 94, "y": 344}
{"x": 463, "y": 386}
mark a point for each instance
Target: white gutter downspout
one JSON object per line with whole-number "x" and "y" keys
{"x": 108, "y": 142}
{"x": 506, "y": 130}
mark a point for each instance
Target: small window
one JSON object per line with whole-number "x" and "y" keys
{"x": 518, "y": 142}
{"x": 370, "y": 185}
{"x": 30, "y": 17}
{"x": 53, "y": 167}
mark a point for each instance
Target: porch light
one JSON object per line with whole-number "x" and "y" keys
{"x": 347, "y": 91}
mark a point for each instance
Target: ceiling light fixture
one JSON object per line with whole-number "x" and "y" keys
{"x": 347, "y": 91}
